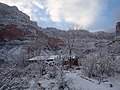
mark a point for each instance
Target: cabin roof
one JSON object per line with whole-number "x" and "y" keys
{"x": 53, "y": 57}
{"x": 44, "y": 57}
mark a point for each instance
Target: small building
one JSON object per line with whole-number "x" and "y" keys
{"x": 74, "y": 61}
{"x": 50, "y": 59}
{"x": 43, "y": 58}
{"x": 37, "y": 58}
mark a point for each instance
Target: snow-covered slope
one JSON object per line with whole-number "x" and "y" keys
{"x": 18, "y": 31}
{"x": 76, "y": 81}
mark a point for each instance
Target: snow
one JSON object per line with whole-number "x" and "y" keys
{"x": 53, "y": 57}
{"x": 38, "y": 58}
{"x": 117, "y": 57}
{"x": 16, "y": 53}
{"x": 76, "y": 82}
{"x": 44, "y": 57}
{"x": 47, "y": 82}
{"x": 83, "y": 84}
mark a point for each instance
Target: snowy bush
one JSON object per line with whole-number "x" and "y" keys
{"x": 9, "y": 74}
{"x": 89, "y": 66}
{"x": 35, "y": 70}
{"x": 99, "y": 65}
{"x": 52, "y": 70}
{"x": 17, "y": 84}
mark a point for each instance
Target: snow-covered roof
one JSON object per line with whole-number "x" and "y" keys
{"x": 39, "y": 58}
{"x": 44, "y": 57}
{"x": 67, "y": 56}
{"x": 53, "y": 57}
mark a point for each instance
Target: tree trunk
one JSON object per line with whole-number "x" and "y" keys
{"x": 70, "y": 60}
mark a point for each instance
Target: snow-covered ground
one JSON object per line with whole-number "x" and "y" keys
{"x": 78, "y": 82}
{"x": 83, "y": 84}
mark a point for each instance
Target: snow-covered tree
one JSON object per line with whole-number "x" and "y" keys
{"x": 100, "y": 64}
{"x": 70, "y": 41}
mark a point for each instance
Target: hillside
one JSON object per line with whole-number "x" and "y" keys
{"x": 36, "y": 58}
{"x": 18, "y": 31}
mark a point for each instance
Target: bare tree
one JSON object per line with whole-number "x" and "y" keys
{"x": 70, "y": 41}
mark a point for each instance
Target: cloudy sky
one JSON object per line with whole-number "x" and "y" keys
{"x": 90, "y": 14}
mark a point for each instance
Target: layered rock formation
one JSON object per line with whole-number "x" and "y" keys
{"x": 22, "y": 36}
{"x": 118, "y": 29}
{"x": 16, "y": 24}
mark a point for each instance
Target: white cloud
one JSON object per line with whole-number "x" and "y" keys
{"x": 38, "y": 3}
{"x": 81, "y": 12}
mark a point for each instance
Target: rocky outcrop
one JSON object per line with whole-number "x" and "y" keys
{"x": 10, "y": 32}
{"x": 118, "y": 29}
{"x": 13, "y": 19}
{"x": 55, "y": 42}
{"x": 104, "y": 35}
{"x": 15, "y": 25}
